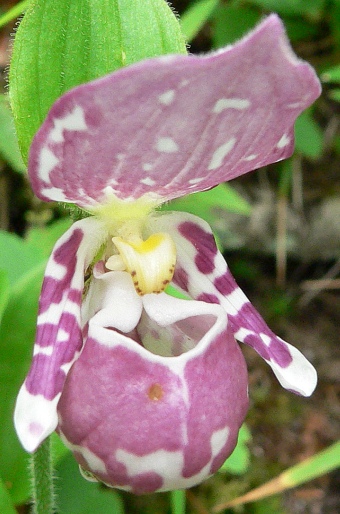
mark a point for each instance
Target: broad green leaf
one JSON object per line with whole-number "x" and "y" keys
{"x": 60, "y": 44}
{"x": 17, "y": 332}
{"x": 25, "y": 261}
{"x": 16, "y": 257}
{"x": 308, "y": 136}
{"x": 78, "y": 496}
{"x": 196, "y": 16}
{"x": 208, "y": 204}
{"x": 239, "y": 460}
{"x": 13, "y": 13}
{"x": 4, "y": 291}
{"x": 44, "y": 238}
{"x": 6, "y": 505}
{"x": 231, "y": 23}
{"x": 321, "y": 463}
{"x": 9, "y": 148}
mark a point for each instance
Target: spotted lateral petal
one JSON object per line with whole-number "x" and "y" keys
{"x": 173, "y": 125}
{"x": 202, "y": 272}
{"x": 146, "y": 422}
{"x": 59, "y": 338}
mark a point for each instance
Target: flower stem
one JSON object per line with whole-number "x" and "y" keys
{"x": 42, "y": 480}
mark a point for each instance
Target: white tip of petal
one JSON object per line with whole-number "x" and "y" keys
{"x": 35, "y": 418}
{"x": 299, "y": 377}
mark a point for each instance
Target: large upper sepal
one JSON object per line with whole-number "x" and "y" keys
{"x": 59, "y": 331}
{"x": 154, "y": 403}
{"x": 172, "y": 125}
{"x": 202, "y": 273}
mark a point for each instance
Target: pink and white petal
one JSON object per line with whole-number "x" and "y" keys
{"x": 202, "y": 272}
{"x": 143, "y": 422}
{"x": 59, "y": 337}
{"x": 173, "y": 125}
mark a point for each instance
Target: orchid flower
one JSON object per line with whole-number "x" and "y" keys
{"x": 148, "y": 390}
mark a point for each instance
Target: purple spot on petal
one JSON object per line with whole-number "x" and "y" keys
{"x": 40, "y": 381}
{"x": 181, "y": 278}
{"x": 66, "y": 255}
{"x": 35, "y": 429}
{"x": 208, "y": 298}
{"x": 280, "y": 353}
{"x": 225, "y": 284}
{"x": 204, "y": 243}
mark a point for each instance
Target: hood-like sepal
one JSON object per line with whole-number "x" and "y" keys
{"x": 59, "y": 334}
{"x": 173, "y": 125}
{"x": 203, "y": 273}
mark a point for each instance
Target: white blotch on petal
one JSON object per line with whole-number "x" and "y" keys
{"x": 242, "y": 333}
{"x": 94, "y": 462}
{"x": 166, "y": 145}
{"x": 74, "y": 121}
{"x": 230, "y": 103}
{"x": 235, "y": 300}
{"x": 250, "y": 157}
{"x": 55, "y": 270}
{"x": 147, "y": 166}
{"x": 167, "y": 98}
{"x": 218, "y": 440}
{"x": 184, "y": 83}
{"x": 284, "y": 141}
{"x": 220, "y": 153}
{"x": 265, "y": 338}
{"x": 195, "y": 180}
{"x": 42, "y": 350}
{"x": 54, "y": 194}
{"x": 147, "y": 181}
{"x": 47, "y": 161}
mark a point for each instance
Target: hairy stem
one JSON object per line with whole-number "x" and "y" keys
{"x": 42, "y": 480}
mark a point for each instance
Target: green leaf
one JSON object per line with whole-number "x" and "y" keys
{"x": 239, "y": 461}
{"x": 6, "y": 505}
{"x": 208, "y": 204}
{"x": 308, "y": 136}
{"x": 196, "y": 16}
{"x": 4, "y": 291}
{"x": 42, "y": 239}
{"x": 231, "y": 23}
{"x": 78, "y": 496}
{"x": 25, "y": 262}
{"x": 17, "y": 332}
{"x": 321, "y": 463}
{"x": 9, "y": 148}
{"x": 61, "y": 44}
{"x": 16, "y": 257}
{"x": 21, "y": 255}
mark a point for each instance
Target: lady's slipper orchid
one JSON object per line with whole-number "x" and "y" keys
{"x": 149, "y": 391}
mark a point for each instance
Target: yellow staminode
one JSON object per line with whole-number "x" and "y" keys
{"x": 151, "y": 263}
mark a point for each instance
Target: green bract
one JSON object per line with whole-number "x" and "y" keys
{"x": 61, "y": 44}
